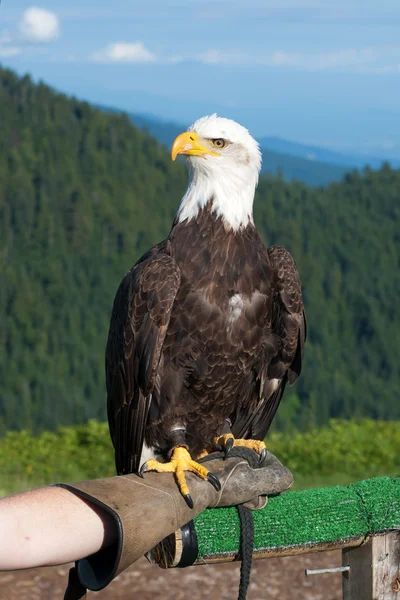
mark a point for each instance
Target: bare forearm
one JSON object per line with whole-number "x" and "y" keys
{"x": 50, "y": 526}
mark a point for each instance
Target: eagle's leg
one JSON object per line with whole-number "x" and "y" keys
{"x": 227, "y": 441}
{"x": 180, "y": 462}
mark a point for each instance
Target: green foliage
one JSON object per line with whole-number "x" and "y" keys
{"x": 357, "y": 448}
{"x": 337, "y": 453}
{"x": 69, "y": 454}
{"x": 84, "y": 193}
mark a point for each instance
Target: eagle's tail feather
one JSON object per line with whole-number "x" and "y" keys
{"x": 250, "y": 425}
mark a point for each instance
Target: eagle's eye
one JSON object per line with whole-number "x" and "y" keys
{"x": 219, "y": 143}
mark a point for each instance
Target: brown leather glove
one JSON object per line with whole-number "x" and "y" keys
{"x": 149, "y": 509}
{"x": 249, "y": 482}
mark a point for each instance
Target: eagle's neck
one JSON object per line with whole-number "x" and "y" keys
{"x": 229, "y": 192}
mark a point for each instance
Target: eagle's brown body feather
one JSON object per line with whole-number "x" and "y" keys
{"x": 201, "y": 326}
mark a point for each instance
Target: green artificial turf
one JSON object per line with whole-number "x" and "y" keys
{"x": 306, "y": 517}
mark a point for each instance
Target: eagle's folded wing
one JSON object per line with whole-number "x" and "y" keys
{"x": 289, "y": 323}
{"x": 139, "y": 323}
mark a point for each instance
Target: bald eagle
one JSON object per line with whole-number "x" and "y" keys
{"x": 208, "y": 326}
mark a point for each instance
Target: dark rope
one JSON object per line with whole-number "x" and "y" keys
{"x": 246, "y": 549}
{"x": 245, "y": 516}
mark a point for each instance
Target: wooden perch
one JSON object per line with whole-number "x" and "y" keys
{"x": 362, "y": 519}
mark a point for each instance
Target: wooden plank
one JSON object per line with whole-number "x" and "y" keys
{"x": 374, "y": 569}
{"x": 176, "y": 556}
{"x": 357, "y": 583}
{"x": 386, "y": 566}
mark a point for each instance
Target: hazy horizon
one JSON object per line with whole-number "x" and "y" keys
{"x": 300, "y": 70}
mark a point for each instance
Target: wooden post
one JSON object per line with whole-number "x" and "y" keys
{"x": 374, "y": 569}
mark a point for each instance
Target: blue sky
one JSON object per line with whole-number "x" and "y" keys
{"x": 315, "y": 71}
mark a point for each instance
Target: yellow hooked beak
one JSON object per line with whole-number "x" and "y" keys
{"x": 190, "y": 143}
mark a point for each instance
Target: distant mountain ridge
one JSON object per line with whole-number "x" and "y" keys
{"x": 311, "y": 152}
{"x": 311, "y": 164}
{"x": 275, "y": 161}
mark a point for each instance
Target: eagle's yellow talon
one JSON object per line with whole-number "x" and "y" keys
{"x": 202, "y": 454}
{"x": 180, "y": 462}
{"x": 154, "y": 465}
{"x": 225, "y": 441}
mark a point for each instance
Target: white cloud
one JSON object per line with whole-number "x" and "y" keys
{"x": 8, "y": 51}
{"x": 212, "y": 57}
{"x": 321, "y": 61}
{"x": 8, "y": 47}
{"x": 36, "y": 25}
{"x": 368, "y": 60}
{"x": 216, "y": 57}
{"x": 175, "y": 59}
{"x": 124, "y": 52}
{"x": 39, "y": 25}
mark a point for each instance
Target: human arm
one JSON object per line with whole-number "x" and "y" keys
{"x": 61, "y": 524}
{"x": 50, "y": 526}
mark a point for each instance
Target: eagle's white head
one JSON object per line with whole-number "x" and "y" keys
{"x": 225, "y": 163}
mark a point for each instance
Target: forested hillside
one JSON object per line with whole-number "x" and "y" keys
{"x": 346, "y": 242}
{"x": 84, "y": 193}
